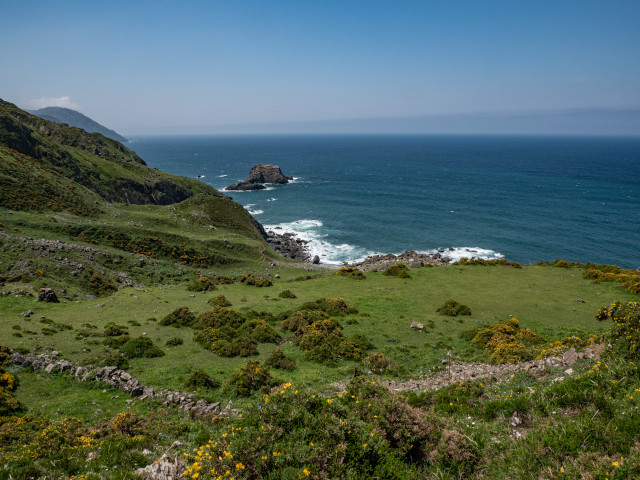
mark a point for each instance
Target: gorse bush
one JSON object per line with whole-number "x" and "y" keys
{"x": 364, "y": 432}
{"x": 481, "y": 261}
{"x": 335, "y": 307}
{"x": 506, "y": 342}
{"x": 199, "y": 379}
{"x": 250, "y": 378}
{"x": 279, "y": 360}
{"x": 612, "y": 273}
{"x": 219, "y": 301}
{"x": 453, "y": 308}
{"x": 351, "y": 272}
{"x": 201, "y": 284}
{"x": 397, "y": 270}
{"x": 8, "y": 384}
{"x": 377, "y": 363}
{"x": 287, "y": 294}
{"x": 101, "y": 285}
{"x": 180, "y": 317}
{"x": 141, "y": 347}
{"x": 251, "y": 279}
{"x": 624, "y": 335}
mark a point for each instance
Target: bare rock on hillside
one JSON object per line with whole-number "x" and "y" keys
{"x": 47, "y": 295}
{"x": 165, "y": 468}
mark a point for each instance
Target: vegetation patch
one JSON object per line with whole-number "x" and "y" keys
{"x": 180, "y": 317}
{"x": 481, "y": 261}
{"x": 399, "y": 270}
{"x": 201, "y": 284}
{"x": 623, "y": 338}
{"x": 200, "y": 380}
{"x": 141, "y": 347}
{"x": 612, "y": 273}
{"x": 279, "y": 360}
{"x": 507, "y": 342}
{"x": 219, "y": 301}
{"x": 250, "y": 378}
{"x": 351, "y": 272}
{"x": 453, "y": 308}
{"x": 287, "y": 294}
{"x": 251, "y": 279}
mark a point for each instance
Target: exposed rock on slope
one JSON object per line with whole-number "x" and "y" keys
{"x": 259, "y": 175}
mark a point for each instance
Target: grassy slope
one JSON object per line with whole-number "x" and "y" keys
{"x": 542, "y": 298}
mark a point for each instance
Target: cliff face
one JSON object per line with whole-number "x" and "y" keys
{"x": 259, "y": 175}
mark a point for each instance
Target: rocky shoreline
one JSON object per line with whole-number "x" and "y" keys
{"x": 410, "y": 258}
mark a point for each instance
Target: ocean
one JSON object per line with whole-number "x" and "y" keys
{"x": 524, "y": 198}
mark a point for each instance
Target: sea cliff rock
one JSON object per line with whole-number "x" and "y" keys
{"x": 259, "y": 175}
{"x": 410, "y": 258}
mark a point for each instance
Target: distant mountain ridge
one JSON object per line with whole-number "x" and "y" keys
{"x": 76, "y": 119}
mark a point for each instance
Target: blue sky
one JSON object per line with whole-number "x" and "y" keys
{"x": 167, "y": 66}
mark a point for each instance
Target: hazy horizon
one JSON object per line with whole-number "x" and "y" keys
{"x": 333, "y": 67}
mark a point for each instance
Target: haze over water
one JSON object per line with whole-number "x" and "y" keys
{"x": 525, "y": 198}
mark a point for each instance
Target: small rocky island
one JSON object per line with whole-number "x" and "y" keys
{"x": 259, "y": 175}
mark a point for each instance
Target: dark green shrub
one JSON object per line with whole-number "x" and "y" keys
{"x": 116, "y": 342}
{"x": 9, "y": 405}
{"x": 260, "y": 331}
{"x": 351, "y": 272}
{"x": 251, "y": 279}
{"x": 141, "y": 347}
{"x": 201, "y": 284}
{"x": 287, "y": 294}
{"x": 397, "y": 270}
{"x": 180, "y": 317}
{"x": 112, "y": 360}
{"x": 174, "y": 342}
{"x": 199, "y": 379}
{"x": 219, "y": 301}
{"x": 208, "y": 336}
{"x": 250, "y": 378}
{"x": 453, "y": 308}
{"x": 336, "y": 307}
{"x": 279, "y": 360}
{"x": 101, "y": 286}
{"x": 223, "y": 348}
{"x": 113, "y": 330}
{"x": 560, "y": 263}
{"x": 244, "y": 347}
{"x": 377, "y": 362}
{"x": 301, "y": 319}
{"x": 220, "y": 316}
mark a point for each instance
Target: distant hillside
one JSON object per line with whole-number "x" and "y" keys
{"x": 76, "y": 119}
{"x": 45, "y": 163}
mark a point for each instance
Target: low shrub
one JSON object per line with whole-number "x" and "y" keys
{"x": 260, "y": 331}
{"x": 298, "y": 321}
{"x": 112, "y": 359}
{"x": 101, "y": 285}
{"x": 377, "y": 363}
{"x": 287, "y": 294}
{"x": 506, "y": 342}
{"x": 201, "y": 284}
{"x": 219, "y": 317}
{"x": 199, "y": 379}
{"x": 335, "y": 307}
{"x": 219, "y": 301}
{"x": 141, "y": 347}
{"x": 174, "y": 342}
{"x": 397, "y": 270}
{"x": 180, "y": 317}
{"x": 251, "y": 279}
{"x": 453, "y": 308}
{"x": 279, "y": 360}
{"x": 482, "y": 261}
{"x": 351, "y": 272}
{"x": 623, "y": 337}
{"x": 250, "y": 378}
{"x": 116, "y": 342}
{"x": 113, "y": 330}
{"x": 9, "y": 405}
{"x": 612, "y": 273}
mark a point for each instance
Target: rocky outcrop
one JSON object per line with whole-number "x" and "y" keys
{"x": 47, "y": 295}
{"x": 124, "y": 382}
{"x": 410, "y": 258}
{"x": 288, "y": 245}
{"x": 259, "y": 175}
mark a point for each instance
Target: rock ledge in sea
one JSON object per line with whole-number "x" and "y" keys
{"x": 259, "y": 175}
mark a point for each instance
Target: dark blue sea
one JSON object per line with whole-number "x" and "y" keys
{"x": 526, "y": 198}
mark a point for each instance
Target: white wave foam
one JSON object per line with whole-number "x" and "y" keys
{"x": 249, "y": 205}
{"x": 309, "y": 230}
{"x": 256, "y": 212}
{"x": 456, "y": 253}
{"x": 221, "y": 176}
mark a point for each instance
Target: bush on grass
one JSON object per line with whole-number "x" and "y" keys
{"x": 199, "y": 379}
{"x": 219, "y": 301}
{"x": 141, "y": 347}
{"x": 279, "y": 360}
{"x": 287, "y": 294}
{"x": 251, "y": 279}
{"x": 201, "y": 284}
{"x": 250, "y": 378}
{"x": 180, "y": 317}
{"x": 399, "y": 270}
{"x": 453, "y": 308}
{"x": 351, "y": 272}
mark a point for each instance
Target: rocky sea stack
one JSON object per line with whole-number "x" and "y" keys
{"x": 259, "y": 175}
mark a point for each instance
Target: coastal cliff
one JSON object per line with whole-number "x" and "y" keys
{"x": 259, "y": 175}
